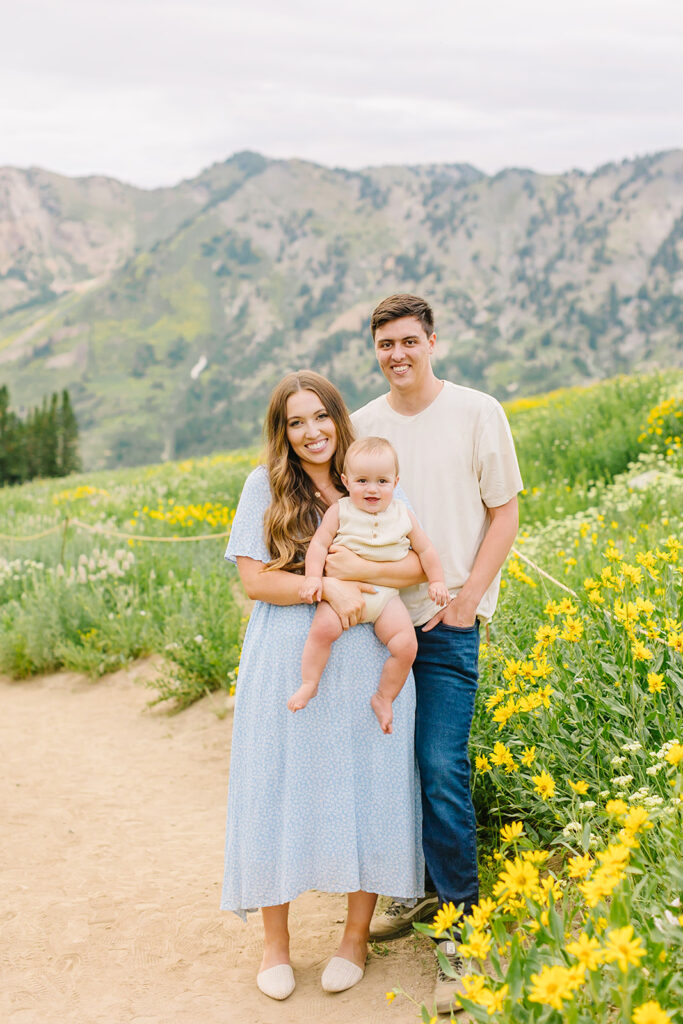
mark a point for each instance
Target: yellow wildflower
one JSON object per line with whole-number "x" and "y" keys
{"x": 477, "y": 945}
{"x": 481, "y": 912}
{"x": 637, "y": 819}
{"x": 623, "y": 947}
{"x": 552, "y": 609}
{"x": 674, "y": 754}
{"x": 599, "y": 886}
{"x": 547, "y": 634}
{"x": 390, "y": 996}
{"x": 535, "y": 856}
{"x": 566, "y": 607}
{"x": 491, "y": 1001}
{"x": 512, "y": 831}
{"x": 615, "y": 808}
{"x": 675, "y": 641}
{"x": 502, "y": 756}
{"x": 544, "y": 785}
{"x": 632, "y": 573}
{"x": 553, "y": 985}
{"x": 579, "y": 787}
{"x": 615, "y": 857}
{"x": 474, "y": 985}
{"x": 587, "y": 951}
{"x": 573, "y": 630}
{"x": 640, "y": 651}
{"x": 655, "y": 682}
{"x": 519, "y": 877}
{"x": 528, "y": 756}
{"x": 445, "y": 918}
{"x": 579, "y": 866}
{"x": 650, "y": 1013}
{"x": 481, "y": 763}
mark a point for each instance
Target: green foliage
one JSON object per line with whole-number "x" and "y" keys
{"x": 44, "y": 444}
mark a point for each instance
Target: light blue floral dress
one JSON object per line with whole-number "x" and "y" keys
{"x": 320, "y": 799}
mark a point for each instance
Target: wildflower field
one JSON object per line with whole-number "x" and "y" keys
{"x": 577, "y": 743}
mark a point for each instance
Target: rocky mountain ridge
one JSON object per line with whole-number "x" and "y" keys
{"x": 170, "y": 313}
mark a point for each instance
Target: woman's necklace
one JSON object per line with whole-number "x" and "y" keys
{"x": 325, "y": 493}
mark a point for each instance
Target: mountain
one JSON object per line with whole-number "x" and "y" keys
{"x": 170, "y": 313}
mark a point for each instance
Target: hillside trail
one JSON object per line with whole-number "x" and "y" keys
{"x": 113, "y": 825}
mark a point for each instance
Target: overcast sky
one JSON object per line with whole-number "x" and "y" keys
{"x": 152, "y": 92}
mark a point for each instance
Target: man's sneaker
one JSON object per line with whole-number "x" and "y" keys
{"x": 448, "y": 988}
{"x": 398, "y": 918}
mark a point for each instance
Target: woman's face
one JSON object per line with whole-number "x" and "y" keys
{"x": 310, "y": 429}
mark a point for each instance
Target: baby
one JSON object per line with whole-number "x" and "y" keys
{"x": 374, "y": 524}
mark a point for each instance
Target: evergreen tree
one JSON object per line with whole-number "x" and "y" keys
{"x": 12, "y": 459}
{"x": 69, "y": 459}
{"x": 44, "y": 444}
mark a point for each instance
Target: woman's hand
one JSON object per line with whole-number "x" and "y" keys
{"x": 345, "y": 597}
{"x": 344, "y": 564}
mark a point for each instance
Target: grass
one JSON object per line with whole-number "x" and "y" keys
{"x": 581, "y": 694}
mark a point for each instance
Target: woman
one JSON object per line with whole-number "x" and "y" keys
{"x": 322, "y": 799}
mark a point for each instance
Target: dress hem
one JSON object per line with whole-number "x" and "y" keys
{"x": 242, "y": 912}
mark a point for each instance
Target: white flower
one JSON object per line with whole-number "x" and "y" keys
{"x": 632, "y": 746}
{"x": 199, "y": 639}
{"x": 653, "y": 801}
{"x": 654, "y": 768}
{"x": 571, "y": 828}
{"x": 617, "y": 760}
{"x": 587, "y": 804}
{"x": 143, "y": 612}
{"x": 603, "y": 793}
{"x": 623, "y": 780}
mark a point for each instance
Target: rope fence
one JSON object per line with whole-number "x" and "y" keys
{"x": 142, "y": 538}
{"x": 109, "y": 532}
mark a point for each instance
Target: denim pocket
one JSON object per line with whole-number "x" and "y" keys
{"x": 461, "y": 629}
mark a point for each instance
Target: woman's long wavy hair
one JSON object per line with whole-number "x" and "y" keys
{"x": 294, "y": 513}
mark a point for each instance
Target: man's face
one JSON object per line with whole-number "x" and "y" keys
{"x": 403, "y": 352}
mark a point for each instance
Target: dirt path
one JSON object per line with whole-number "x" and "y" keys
{"x": 112, "y": 819}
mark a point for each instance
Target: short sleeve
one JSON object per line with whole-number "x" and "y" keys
{"x": 400, "y": 495}
{"x": 247, "y": 536}
{"x": 496, "y": 461}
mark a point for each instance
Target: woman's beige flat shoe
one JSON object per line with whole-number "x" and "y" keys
{"x": 276, "y": 982}
{"x": 341, "y": 974}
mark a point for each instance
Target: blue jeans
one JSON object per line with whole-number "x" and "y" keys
{"x": 446, "y": 673}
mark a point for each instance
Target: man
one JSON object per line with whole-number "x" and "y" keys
{"x": 459, "y": 470}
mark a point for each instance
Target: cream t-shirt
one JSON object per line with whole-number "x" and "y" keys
{"x": 457, "y": 459}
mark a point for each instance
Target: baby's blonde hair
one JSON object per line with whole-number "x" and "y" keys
{"x": 370, "y": 446}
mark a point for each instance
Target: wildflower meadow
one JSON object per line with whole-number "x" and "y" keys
{"x": 577, "y": 744}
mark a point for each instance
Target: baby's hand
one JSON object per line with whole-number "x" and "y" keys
{"x": 311, "y": 589}
{"x": 439, "y": 593}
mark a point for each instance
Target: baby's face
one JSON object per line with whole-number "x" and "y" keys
{"x": 371, "y": 480}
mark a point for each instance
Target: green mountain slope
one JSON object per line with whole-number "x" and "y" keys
{"x": 258, "y": 266}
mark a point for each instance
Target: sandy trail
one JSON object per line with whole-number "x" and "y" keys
{"x": 113, "y": 819}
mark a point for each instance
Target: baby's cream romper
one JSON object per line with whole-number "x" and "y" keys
{"x": 378, "y": 536}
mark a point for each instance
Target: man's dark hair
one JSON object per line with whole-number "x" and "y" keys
{"x": 397, "y": 306}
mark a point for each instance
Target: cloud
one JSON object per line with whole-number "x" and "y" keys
{"x": 151, "y": 92}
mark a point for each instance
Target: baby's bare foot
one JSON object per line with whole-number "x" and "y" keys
{"x": 384, "y": 711}
{"x": 302, "y": 696}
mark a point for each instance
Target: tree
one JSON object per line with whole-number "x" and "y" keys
{"x": 45, "y": 443}
{"x": 69, "y": 459}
